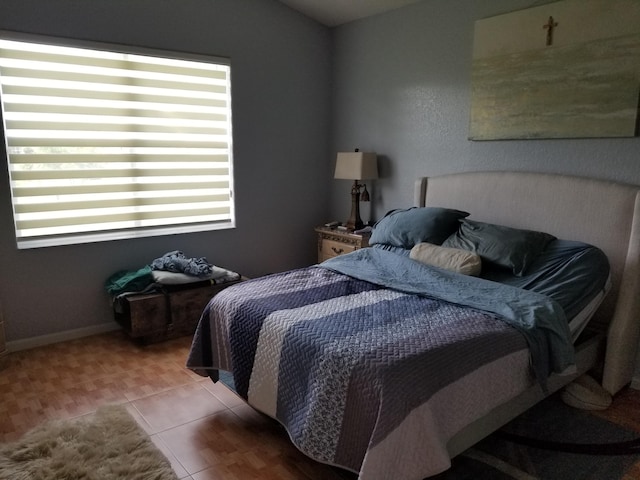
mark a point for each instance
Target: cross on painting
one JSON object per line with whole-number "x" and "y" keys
{"x": 550, "y": 26}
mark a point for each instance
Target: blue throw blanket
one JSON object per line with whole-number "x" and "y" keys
{"x": 539, "y": 318}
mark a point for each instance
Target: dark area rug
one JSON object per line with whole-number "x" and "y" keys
{"x": 551, "y": 441}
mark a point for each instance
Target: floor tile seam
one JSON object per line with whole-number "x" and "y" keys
{"x": 207, "y": 467}
{"x": 176, "y": 458}
{"x": 74, "y": 380}
{"x": 36, "y": 393}
{"x": 161, "y": 430}
{"x": 168, "y": 389}
{"x": 92, "y": 408}
{"x": 117, "y": 377}
{"x": 219, "y": 398}
{"x": 189, "y": 474}
{"x": 27, "y": 389}
{"x": 143, "y": 371}
{"x": 162, "y": 390}
{"x": 181, "y": 364}
{"x": 72, "y": 385}
{"x": 44, "y": 399}
{"x": 189, "y": 422}
{"x": 24, "y": 401}
{"x": 193, "y": 375}
{"x": 154, "y": 430}
{"x": 45, "y": 417}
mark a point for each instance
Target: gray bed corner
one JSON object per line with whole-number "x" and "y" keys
{"x": 603, "y": 213}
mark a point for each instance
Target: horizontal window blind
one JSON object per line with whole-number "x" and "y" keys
{"x": 104, "y": 145}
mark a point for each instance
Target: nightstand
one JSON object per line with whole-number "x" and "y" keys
{"x": 333, "y": 242}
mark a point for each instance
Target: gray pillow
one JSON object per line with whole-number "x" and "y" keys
{"x": 507, "y": 247}
{"x": 405, "y": 228}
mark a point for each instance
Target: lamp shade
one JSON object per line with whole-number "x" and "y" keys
{"x": 356, "y": 166}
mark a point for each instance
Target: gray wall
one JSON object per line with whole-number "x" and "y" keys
{"x": 402, "y": 89}
{"x": 281, "y": 69}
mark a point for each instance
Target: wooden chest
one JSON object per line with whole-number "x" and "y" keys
{"x": 155, "y": 317}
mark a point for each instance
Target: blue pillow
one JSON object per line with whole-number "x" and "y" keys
{"x": 507, "y": 247}
{"x": 405, "y": 228}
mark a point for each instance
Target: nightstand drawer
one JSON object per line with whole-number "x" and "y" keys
{"x": 333, "y": 248}
{"x": 333, "y": 242}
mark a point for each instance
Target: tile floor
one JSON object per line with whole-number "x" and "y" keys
{"x": 203, "y": 428}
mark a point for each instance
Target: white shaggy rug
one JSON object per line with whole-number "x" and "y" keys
{"x": 108, "y": 445}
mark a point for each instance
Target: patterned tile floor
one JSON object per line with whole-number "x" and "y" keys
{"x": 203, "y": 428}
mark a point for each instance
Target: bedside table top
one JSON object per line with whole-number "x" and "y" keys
{"x": 337, "y": 231}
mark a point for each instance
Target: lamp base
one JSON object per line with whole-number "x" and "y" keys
{"x": 355, "y": 222}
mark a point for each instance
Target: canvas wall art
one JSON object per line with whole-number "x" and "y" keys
{"x": 568, "y": 69}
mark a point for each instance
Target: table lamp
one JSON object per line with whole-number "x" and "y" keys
{"x": 356, "y": 166}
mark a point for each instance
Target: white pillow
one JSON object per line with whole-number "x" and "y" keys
{"x": 453, "y": 259}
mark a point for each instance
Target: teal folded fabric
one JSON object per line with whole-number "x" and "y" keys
{"x": 129, "y": 281}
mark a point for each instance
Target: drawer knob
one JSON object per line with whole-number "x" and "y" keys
{"x": 337, "y": 251}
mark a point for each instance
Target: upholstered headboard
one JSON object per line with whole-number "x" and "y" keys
{"x": 602, "y": 213}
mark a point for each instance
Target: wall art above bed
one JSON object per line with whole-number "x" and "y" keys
{"x": 568, "y": 69}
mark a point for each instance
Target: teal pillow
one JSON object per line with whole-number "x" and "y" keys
{"x": 405, "y": 228}
{"x": 507, "y": 247}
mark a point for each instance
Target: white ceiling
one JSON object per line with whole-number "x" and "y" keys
{"x": 336, "y": 12}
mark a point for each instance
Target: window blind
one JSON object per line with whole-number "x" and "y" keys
{"x": 103, "y": 144}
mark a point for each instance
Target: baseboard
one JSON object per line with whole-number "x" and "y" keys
{"x": 27, "y": 343}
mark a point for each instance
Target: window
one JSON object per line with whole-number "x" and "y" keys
{"x": 105, "y": 144}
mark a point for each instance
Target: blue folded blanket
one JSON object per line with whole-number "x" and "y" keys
{"x": 177, "y": 262}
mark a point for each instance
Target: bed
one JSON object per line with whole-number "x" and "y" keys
{"x": 325, "y": 351}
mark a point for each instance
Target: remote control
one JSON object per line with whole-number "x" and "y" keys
{"x": 332, "y": 224}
